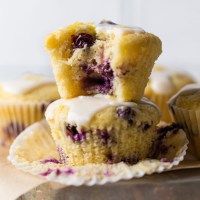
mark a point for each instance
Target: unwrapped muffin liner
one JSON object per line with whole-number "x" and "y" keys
{"x": 161, "y": 102}
{"x": 34, "y": 151}
{"x": 16, "y": 116}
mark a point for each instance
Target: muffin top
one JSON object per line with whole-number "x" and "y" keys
{"x": 29, "y": 88}
{"x": 188, "y": 97}
{"x": 167, "y": 82}
{"x": 82, "y": 109}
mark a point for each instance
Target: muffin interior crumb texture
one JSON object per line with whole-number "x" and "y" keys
{"x": 106, "y": 58}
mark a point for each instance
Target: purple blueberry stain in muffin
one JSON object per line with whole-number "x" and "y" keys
{"x": 82, "y": 40}
{"x": 46, "y": 173}
{"x": 80, "y": 137}
{"x": 163, "y": 130}
{"x": 104, "y": 136}
{"x": 126, "y": 113}
{"x": 69, "y": 171}
{"x": 98, "y": 78}
{"x": 158, "y": 148}
{"x": 50, "y": 160}
{"x": 110, "y": 158}
{"x": 108, "y": 173}
{"x": 58, "y": 172}
{"x": 163, "y": 149}
{"x": 72, "y": 132}
{"x": 130, "y": 160}
{"x": 144, "y": 126}
{"x": 164, "y": 160}
{"x": 62, "y": 155}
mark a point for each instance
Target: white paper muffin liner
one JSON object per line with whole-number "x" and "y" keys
{"x": 16, "y": 116}
{"x": 34, "y": 148}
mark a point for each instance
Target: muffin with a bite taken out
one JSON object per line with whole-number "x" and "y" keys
{"x": 104, "y": 58}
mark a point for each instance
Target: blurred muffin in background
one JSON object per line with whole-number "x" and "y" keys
{"x": 185, "y": 109}
{"x": 23, "y": 102}
{"x": 163, "y": 84}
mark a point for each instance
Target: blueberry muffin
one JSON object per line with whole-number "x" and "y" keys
{"x": 163, "y": 84}
{"x": 23, "y": 102}
{"x": 104, "y": 58}
{"x": 185, "y": 108}
{"x": 97, "y": 129}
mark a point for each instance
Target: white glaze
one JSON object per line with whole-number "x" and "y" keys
{"x": 116, "y": 28}
{"x": 161, "y": 83}
{"x": 83, "y": 108}
{"x": 24, "y": 84}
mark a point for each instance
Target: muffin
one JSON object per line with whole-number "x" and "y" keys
{"x": 185, "y": 109}
{"x": 104, "y": 58}
{"x": 97, "y": 129}
{"x": 23, "y": 102}
{"x": 163, "y": 84}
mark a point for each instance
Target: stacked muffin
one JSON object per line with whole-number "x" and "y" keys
{"x": 101, "y": 72}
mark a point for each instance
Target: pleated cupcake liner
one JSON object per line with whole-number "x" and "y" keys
{"x": 16, "y": 116}
{"x": 189, "y": 120}
{"x": 102, "y": 145}
{"x": 34, "y": 151}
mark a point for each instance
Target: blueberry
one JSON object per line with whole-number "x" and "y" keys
{"x": 99, "y": 78}
{"x": 80, "y": 136}
{"x": 163, "y": 130}
{"x": 72, "y": 132}
{"x": 82, "y": 40}
{"x": 58, "y": 172}
{"x": 104, "y": 135}
{"x": 145, "y": 126}
{"x": 126, "y": 113}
